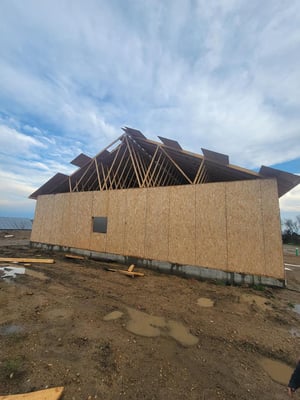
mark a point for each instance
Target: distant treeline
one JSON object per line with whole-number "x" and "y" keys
{"x": 291, "y": 230}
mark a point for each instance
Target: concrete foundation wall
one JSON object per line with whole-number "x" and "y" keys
{"x": 232, "y": 226}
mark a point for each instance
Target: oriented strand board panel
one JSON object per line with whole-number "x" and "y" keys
{"x": 58, "y": 233}
{"x": 69, "y": 219}
{"x": 48, "y": 212}
{"x": 272, "y": 229}
{"x": 117, "y": 207}
{"x": 45, "y": 211}
{"x": 245, "y": 227}
{"x": 83, "y": 226}
{"x": 211, "y": 241}
{"x": 182, "y": 227}
{"x": 37, "y": 222}
{"x": 157, "y": 224}
{"x": 100, "y": 209}
{"x": 135, "y": 223}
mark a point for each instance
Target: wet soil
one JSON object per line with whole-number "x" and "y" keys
{"x": 56, "y": 329}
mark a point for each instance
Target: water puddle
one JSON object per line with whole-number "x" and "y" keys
{"x": 11, "y": 272}
{"x": 10, "y": 329}
{"x": 113, "y": 316}
{"x": 296, "y": 308}
{"x": 278, "y": 371}
{"x": 295, "y": 332}
{"x": 205, "y": 302}
{"x": 58, "y": 314}
{"x": 180, "y": 333}
{"x": 143, "y": 324}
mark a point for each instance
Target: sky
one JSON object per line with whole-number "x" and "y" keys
{"x": 222, "y": 75}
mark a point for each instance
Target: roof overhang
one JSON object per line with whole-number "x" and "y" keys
{"x": 285, "y": 180}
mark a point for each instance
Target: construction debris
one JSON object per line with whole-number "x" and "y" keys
{"x": 129, "y": 271}
{"x": 131, "y": 268}
{"x": 74, "y": 256}
{"x": 47, "y": 394}
{"x": 9, "y": 236}
{"x": 27, "y": 260}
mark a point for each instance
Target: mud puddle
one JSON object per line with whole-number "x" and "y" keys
{"x": 278, "y": 371}
{"x": 113, "y": 316}
{"x": 296, "y": 308}
{"x": 143, "y": 324}
{"x": 10, "y": 329}
{"x": 295, "y": 332}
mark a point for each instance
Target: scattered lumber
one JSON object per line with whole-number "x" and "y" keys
{"x": 27, "y": 260}
{"x": 75, "y": 256}
{"x": 47, "y": 394}
{"x": 132, "y": 274}
{"x": 131, "y": 268}
{"x": 9, "y": 236}
{"x": 129, "y": 272}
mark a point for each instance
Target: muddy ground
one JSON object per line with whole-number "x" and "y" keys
{"x": 207, "y": 342}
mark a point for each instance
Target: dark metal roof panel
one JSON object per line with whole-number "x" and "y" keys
{"x": 51, "y": 185}
{"x": 134, "y": 132}
{"x": 285, "y": 180}
{"x": 224, "y": 173}
{"x": 81, "y": 160}
{"x": 214, "y": 156}
{"x": 170, "y": 143}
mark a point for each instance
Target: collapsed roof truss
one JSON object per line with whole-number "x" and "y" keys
{"x": 132, "y": 165}
{"x": 133, "y": 161}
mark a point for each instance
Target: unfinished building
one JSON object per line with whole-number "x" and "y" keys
{"x": 163, "y": 207}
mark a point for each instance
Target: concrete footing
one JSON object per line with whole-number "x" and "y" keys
{"x": 187, "y": 271}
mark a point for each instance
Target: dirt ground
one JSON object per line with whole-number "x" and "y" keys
{"x": 175, "y": 339}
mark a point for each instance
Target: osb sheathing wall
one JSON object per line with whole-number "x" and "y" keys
{"x": 232, "y": 226}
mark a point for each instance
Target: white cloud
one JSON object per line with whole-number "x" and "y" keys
{"x": 17, "y": 143}
{"x": 220, "y": 75}
{"x": 290, "y": 202}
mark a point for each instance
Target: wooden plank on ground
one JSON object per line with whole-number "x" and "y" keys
{"x": 47, "y": 394}
{"x": 133, "y": 274}
{"x": 27, "y": 260}
{"x": 75, "y": 256}
{"x": 128, "y": 273}
{"x": 131, "y": 268}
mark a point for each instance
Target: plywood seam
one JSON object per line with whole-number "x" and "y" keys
{"x": 106, "y": 214}
{"x": 145, "y": 223}
{"x": 125, "y": 222}
{"x": 169, "y": 199}
{"x": 195, "y": 227}
{"x": 263, "y": 226}
{"x": 91, "y": 220}
{"x": 226, "y": 226}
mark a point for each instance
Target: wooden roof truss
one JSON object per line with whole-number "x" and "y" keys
{"x": 133, "y": 161}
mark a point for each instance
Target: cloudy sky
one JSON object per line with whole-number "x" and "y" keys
{"x": 218, "y": 74}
